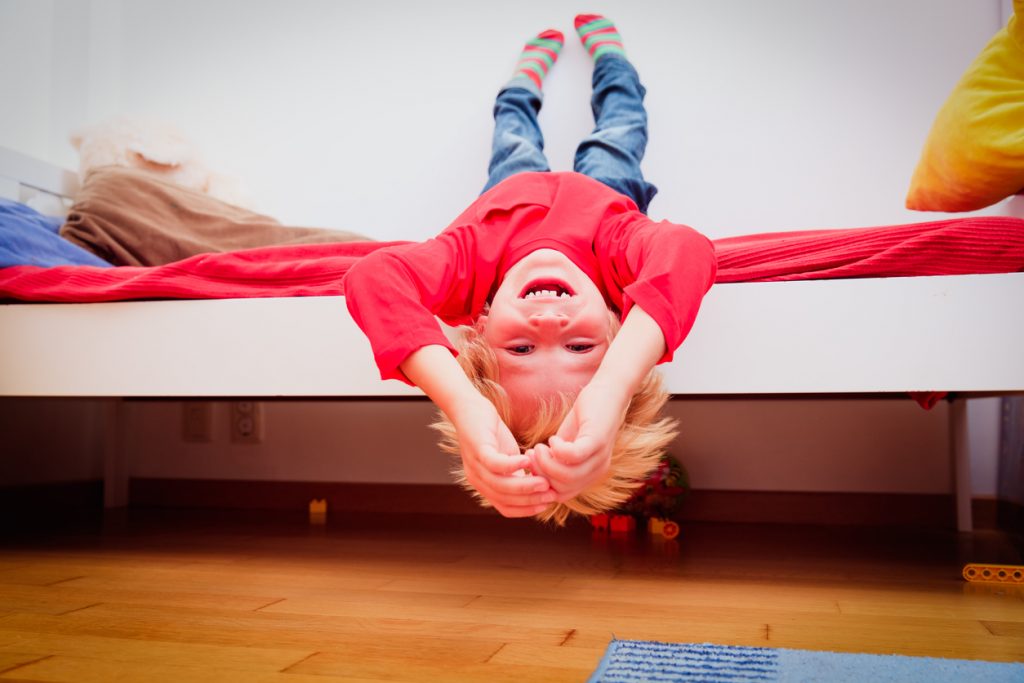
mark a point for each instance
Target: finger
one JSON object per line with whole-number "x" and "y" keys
{"x": 529, "y": 501}
{"x": 511, "y": 489}
{"x": 574, "y": 452}
{"x": 529, "y": 453}
{"x": 501, "y": 463}
{"x": 570, "y": 480}
{"x": 561, "y": 476}
{"x": 534, "y": 492}
{"x": 534, "y": 461}
{"x": 535, "y": 466}
{"x": 521, "y": 510}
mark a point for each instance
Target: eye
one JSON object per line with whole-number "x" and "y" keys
{"x": 520, "y": 350}
{"x": 579, "y": 348}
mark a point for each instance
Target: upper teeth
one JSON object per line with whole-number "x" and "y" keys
{"x": 545, "y": 293}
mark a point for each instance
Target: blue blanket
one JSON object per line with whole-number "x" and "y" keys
{"x": 632, "y": 661}
{"x": 28, "y": 238}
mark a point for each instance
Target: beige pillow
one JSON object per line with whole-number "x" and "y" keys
{"x": 129, "y": 217}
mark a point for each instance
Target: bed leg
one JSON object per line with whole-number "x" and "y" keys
{"x": 115, "y": 467}
{"x": 961, "y": 452}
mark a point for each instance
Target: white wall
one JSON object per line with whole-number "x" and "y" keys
{"x": 26, "y": 70}
{"x": 376, "y": 117}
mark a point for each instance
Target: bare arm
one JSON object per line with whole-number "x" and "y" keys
{"x": 433, "y": 369}
{"x": 635, "y": 350}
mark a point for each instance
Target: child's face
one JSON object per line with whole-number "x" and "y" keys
{"x": 549, "y": 327}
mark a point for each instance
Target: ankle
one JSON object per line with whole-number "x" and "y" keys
{"x": 538, "y": 56}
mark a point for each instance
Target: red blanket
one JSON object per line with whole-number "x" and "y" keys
{"x": 949, "y": 247}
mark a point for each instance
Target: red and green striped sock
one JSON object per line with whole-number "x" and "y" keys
{"x": 599, "y": 35}
{"x": 539, "y": 55}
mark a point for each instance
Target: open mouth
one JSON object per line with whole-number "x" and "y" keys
{"x": 546, "y": 289}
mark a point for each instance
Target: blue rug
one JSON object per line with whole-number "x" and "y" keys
{"x": 627, "y": 661}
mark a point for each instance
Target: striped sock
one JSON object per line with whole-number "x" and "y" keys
{"x": 539, "y": 55}
{"x": 599, "y": 36}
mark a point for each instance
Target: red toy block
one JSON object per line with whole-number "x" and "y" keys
{"x": 622, "y": 524}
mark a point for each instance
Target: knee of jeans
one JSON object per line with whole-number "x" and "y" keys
{"x": 628, "y": 129}
{"x": 513, "y": 145}
{"x": 616, "y": 147}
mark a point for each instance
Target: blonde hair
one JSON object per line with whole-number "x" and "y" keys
{"x": 637, "y": 450}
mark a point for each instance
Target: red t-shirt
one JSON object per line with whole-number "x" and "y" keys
{"x": 394, "y": 293}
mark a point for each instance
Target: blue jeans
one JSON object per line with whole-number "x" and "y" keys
{"x": 611, "y": 154}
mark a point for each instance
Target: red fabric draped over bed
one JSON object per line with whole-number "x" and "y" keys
{"x": 949, "y": 247}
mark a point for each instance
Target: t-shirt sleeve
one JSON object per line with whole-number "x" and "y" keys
{"x": 393, "y": 294}
{"x": 665, "y": 269}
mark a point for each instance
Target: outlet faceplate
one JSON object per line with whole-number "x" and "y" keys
{"x": 246, "y": 422}
{"x": 197, "y": 421}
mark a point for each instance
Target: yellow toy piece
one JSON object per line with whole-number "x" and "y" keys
{"x": 994, "y": 573}
{"x": 318, "y": 511}
{"x": 665, "y": 528}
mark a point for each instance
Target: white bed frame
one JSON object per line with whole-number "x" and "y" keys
{"x": 824, "y": 337}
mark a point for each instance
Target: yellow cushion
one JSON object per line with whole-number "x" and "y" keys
{"x": 974, "y": 154}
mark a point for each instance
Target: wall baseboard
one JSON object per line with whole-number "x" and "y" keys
{"x": 295, "y": 495}
{"x": 850, "y": 509}
{"x": 1009, "y": 516}
{"x": 775, "y": 507}
{"x": 39, "y": 499}
{"x": 24, "y": 508}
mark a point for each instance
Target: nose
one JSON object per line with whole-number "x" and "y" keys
{"x": 548, "y": 320}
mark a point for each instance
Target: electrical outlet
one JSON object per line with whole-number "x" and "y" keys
{"x": 247, "y": 422}
{"x": 196, "y": 421}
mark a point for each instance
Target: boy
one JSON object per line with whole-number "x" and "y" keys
{"x": 550, "y": 405}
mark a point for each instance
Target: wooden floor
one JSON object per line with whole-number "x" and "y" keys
{"x": 176, "y": 596}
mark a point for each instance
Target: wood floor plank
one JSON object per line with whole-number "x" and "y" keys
{"x": 89, "y": 670}
{"x": 405, "y": 651}
{"x": 245, "y": 582}
{"x": 226, "y": 627}
{"x": 38, "y": 575}
{"x": 579, "y": 659}
{"x": 1009, "y": 629}
{"x": 70, "y": 596}
{"x": 426, "y": 669}
{"x": 959, "y": 640}
{"x": 13, "y": 660}
{"x": 39, "y": 599}
{"x": 682, "y": 593}
{"x": 152, "y": 651}
{"x": 923, "y": 604}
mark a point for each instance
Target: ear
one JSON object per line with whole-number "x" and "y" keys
{"x": 480, "y": 324}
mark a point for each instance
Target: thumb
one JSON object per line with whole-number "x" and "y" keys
{"x": 571, "y": 452}
{"x": 569, "y": 428}
{"x": 502, "y": 463}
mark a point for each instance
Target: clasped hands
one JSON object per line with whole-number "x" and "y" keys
{"x": 521, "y": 484}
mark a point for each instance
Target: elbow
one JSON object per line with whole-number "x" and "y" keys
{"x": 698, "y": 251}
